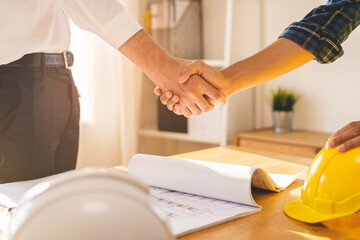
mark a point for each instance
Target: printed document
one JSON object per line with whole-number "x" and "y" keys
{"x": 198, "y": 194}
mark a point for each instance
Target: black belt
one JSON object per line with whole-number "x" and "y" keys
{"x": 65, "y": 59}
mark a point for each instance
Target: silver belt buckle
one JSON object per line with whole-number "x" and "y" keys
{"x": 66, "y": 61}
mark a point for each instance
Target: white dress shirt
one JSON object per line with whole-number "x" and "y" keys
{"x": 28, "y": 26}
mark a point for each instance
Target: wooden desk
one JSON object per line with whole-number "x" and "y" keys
{"x": 297, "y": 142}
{"x": 271, "y": 222}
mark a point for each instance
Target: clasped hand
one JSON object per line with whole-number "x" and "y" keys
{"x": 201, "y": 79}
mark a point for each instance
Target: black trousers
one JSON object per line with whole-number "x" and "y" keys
{"x": 39, "y": 122}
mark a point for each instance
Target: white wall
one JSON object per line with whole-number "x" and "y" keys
{"x": 245, "y": 41}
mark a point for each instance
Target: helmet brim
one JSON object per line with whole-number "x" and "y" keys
{"x": 299, "y": 211}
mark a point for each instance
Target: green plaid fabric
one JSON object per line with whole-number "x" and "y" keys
{"x": 325, "y": 28}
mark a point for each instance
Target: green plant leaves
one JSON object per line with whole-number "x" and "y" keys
{"x": 284, "y": 99}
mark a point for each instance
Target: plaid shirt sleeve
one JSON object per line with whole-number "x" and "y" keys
{"x": 325, "y": 28}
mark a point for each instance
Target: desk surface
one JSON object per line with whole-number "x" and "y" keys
{"x": 271, "y": 222}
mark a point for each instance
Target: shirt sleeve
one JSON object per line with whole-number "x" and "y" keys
{"x": 106, "y": 18}
{"x": 325, "y": 28}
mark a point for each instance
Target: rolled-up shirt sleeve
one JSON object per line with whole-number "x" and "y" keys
{"x": 106, "y": 18}
{"x": 325, "y": 28}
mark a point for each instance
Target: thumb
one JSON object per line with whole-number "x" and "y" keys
{"x": 191, "y": 69}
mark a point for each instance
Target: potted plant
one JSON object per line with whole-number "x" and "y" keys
{"x": 283, "y": 101}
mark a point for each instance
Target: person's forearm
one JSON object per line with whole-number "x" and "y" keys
{"x": 144, "y": 52}
{"x": 279, "y": 58}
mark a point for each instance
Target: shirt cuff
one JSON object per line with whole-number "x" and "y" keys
{"x": 322, "y": 43}
{"x": 120, "y": 29}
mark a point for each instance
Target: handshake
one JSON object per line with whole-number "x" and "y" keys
{"x": 196, "y": 90}
{"x": 188, "y": 88}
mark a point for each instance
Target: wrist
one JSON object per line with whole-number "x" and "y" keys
{"x": 241, "y": 76}
{"x": 225, "y": 86}
{"x": 166, "y": 71}
{"x": 233, "y": 80}
{"x": 153, "y": 60}
{"x": 157, "y": 66}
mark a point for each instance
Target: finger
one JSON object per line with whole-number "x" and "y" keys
{"x": 209, "y": 100}
{"x": 195, "y": 67}
{"x": 175, "y": 99}
{"x": 166, "y": 97}
{"x": 212, "y": 93}
{"x": 194, "y": 109}
{"x": 203, "y": 87}
{"x": 78, "y": 93}
{"x": 176, "y": 109}
{"x": 170, "y": 104}
{"x": 345, "y": 136}
{"x": 185, "y": 111}
{"x": 157, "y": 91}
{"x": 204, "y": 105}
{"x": 348, "y": 145}
{"x": 345, "y": 129}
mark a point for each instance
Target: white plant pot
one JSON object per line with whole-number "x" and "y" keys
{"x": 282, "y": 121}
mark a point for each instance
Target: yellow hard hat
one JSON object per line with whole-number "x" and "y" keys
{"x": 331, "y": 189}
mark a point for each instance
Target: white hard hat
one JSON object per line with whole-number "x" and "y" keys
{"x": 88, "y": 204}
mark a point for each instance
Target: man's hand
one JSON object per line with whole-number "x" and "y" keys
{"x": 347, "y": 137}
{"x": 189, "y": 72}
{"x": 195, "y": 95}
{"x": 197, "y": 85}
{"x": 165, "y": 71}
